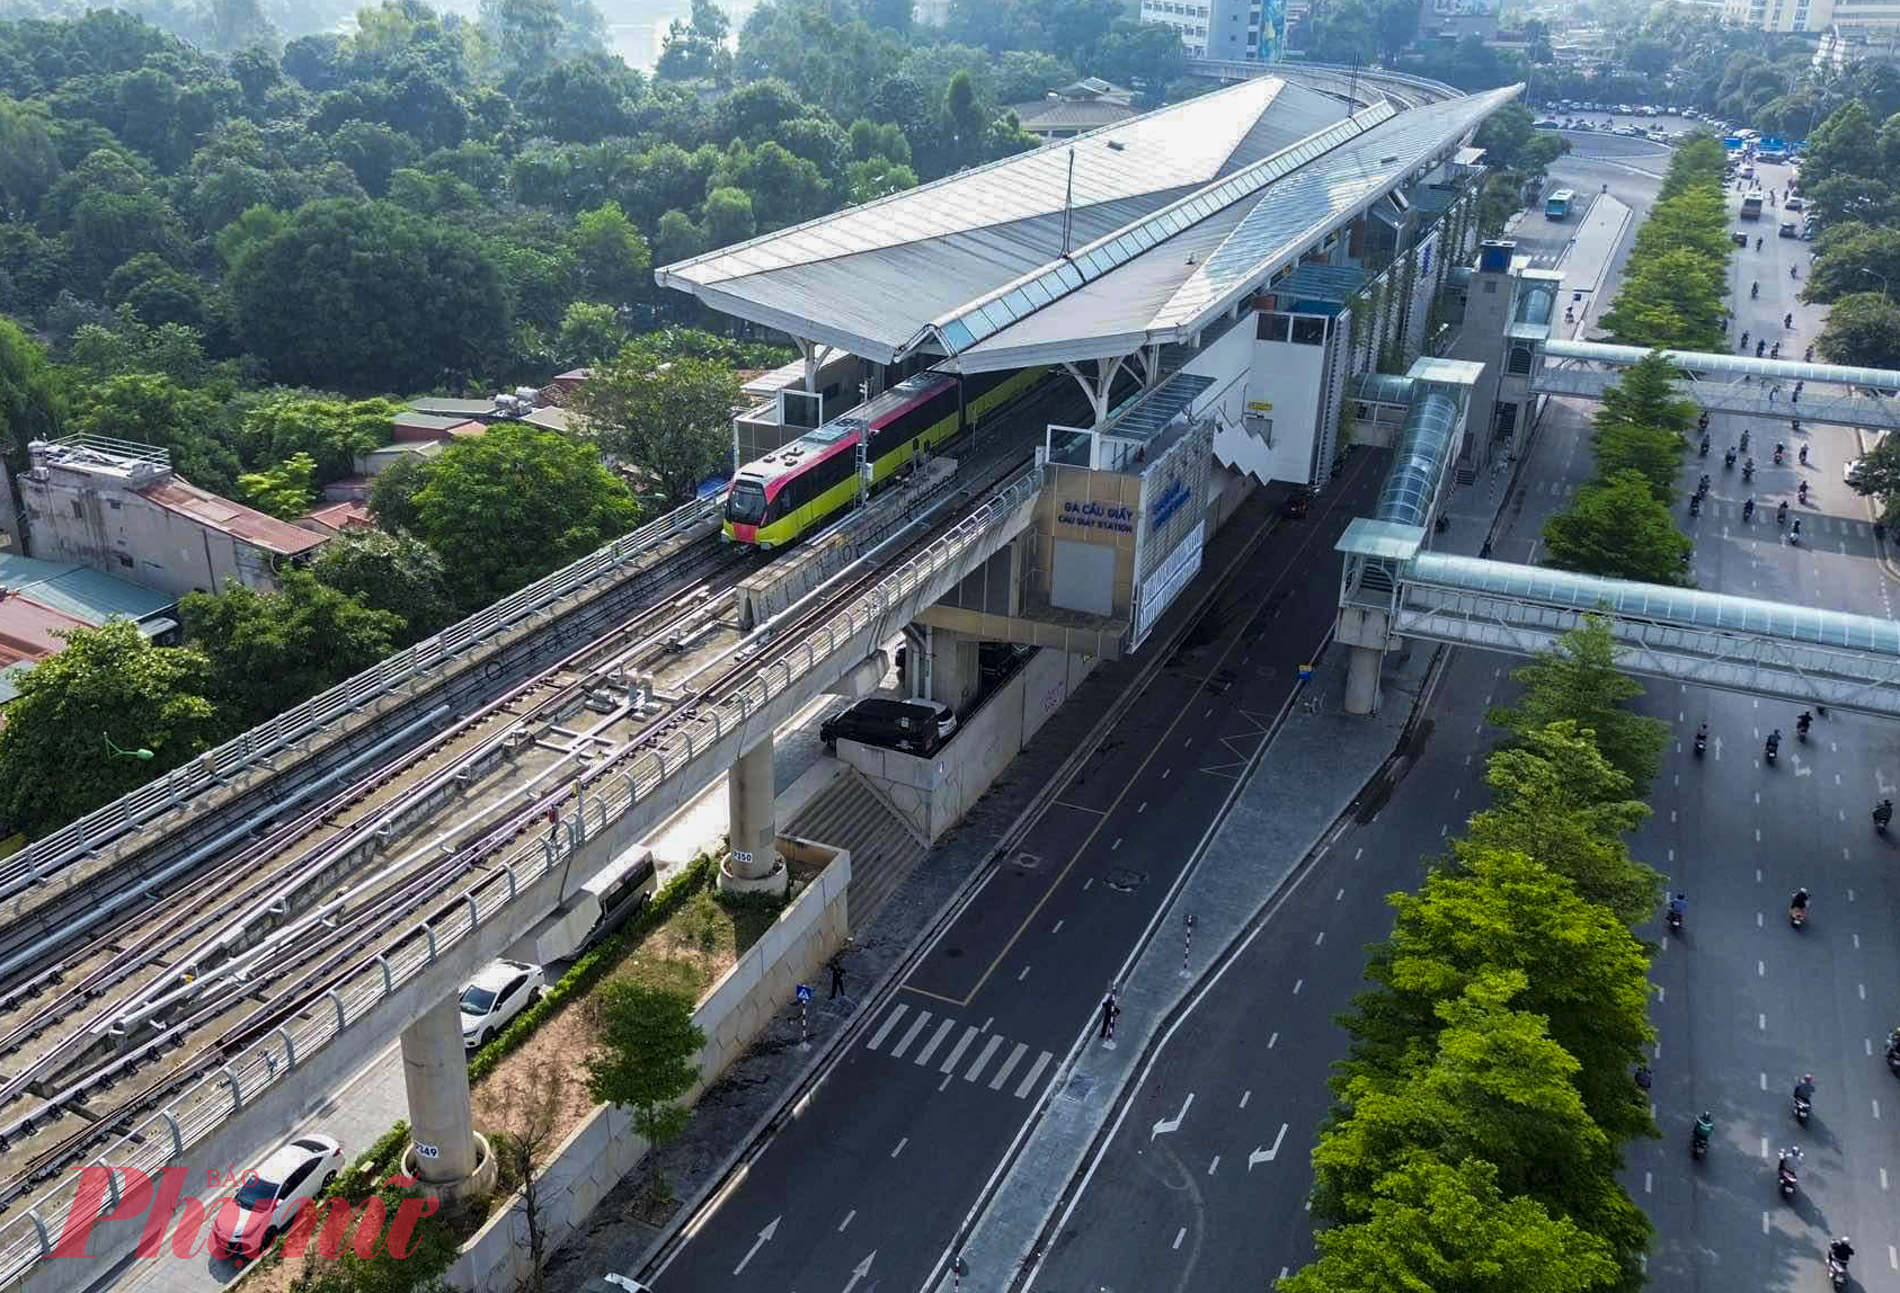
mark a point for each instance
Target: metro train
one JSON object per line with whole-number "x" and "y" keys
{"x": 774, "y": 500}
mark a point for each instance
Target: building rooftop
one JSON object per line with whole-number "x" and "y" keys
{"x": 458, "y": 409}
{"x": 427, "y": 421}
{"x": 1177, "y": 214}
{"x": 348, "y": 514}
{"x": 88, "y": 595}
{"x": 240, "y": 522}
{"x": 1039, "y": 115}
{"x": 30, "y": 631}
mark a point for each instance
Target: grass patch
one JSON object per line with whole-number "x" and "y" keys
{"x": 699, "y": 942}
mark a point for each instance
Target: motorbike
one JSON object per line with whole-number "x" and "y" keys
{"x": 1674, "y": 921}
{"x": 1797, "y": 916}
{"x": 1699, "y": 1140}
{"x": 1701, "y": 742}
{"x": 1754, "y": 290}
{"x": 1893, "y": 1060}
{"x": 1802, "y": 493}
{"x": 1786, "y": 1176}
{"x": 1744, "y": 442}
{"x": 1836, "y": 1271}
{"x": 1703, "y": 452}
{"x": 1781, "y": 514}
{"x": 1780, "y": 453}
{"x": 1769, "y": 752}
{"x": 1787, "y": 320}
{"x": 1802, "y": 1108}
{"x": 1695, "y": 505}
{"x": 1794, "y": 536}
{"x": 1748, "y": 470}
{"x": 1748, "y": 510}
{"x": 1728, "y": 460}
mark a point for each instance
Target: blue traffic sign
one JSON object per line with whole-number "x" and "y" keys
{"x": 804, "y": 992}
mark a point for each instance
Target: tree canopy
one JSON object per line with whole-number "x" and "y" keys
{"x": 1618, "y": 527}
{"x": 668, "y": 419}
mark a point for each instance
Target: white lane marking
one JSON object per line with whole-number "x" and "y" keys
{"x": 1321, "y": 938}
{"x": 847, "y": 1220}
{"x": 1342, "y": 893}
{"x": 1757, "y": 920}
{"x": 1165, "y": 772}
{"x": 1016, "y": 1056}
{"x": 1271, "y": 1040}
{"x": 1211, "y": 1166}
{"x": 910, "y": 1035}
{"x": 1764, "y": 1086}
{"x": 1876, "y": 1108}
{"x": 900, "y": 1147}
{"x": 1761, "y": 1022}
{"x": 956, "y": 1052}
{"x": 1863, "y": 990}
{"x": 1179, "y": 1235}
{"x": 1850, "y": 895}
{"x": 1893, "y": 1257}
{"x": 1761, "y": 969}
{"x": 1764, "y": 1223}
{"x": 1883, "y": 1178}
{"x": 1764, "y": 1147}
{"x": 1086, "y": 883}
{"x": 1173, "y": 1124}
{"x": 1025, "y": 974}
{"x": 1117, "y": 844}
{"x": 1648, "y": 1183}
{"x": 1857, "y": 942}
{"x": 1244, "y": 1097}
{"x": 1143, "y": 808}
{"x": 944, "y": 1029}
{"x": 1035, "y": 1071}
{"x": 1266, "y": 1153}
{"x": 945, "y": 1084}
{"x": 890, "y": 1022}
{"x": 986, "y": 1024}
{"x": 1297, "y": 985}
{"x": 1059, "y": 925}
{"x": 983, "y": 1058}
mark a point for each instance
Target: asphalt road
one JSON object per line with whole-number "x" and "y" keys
{"x": 869, "y": 1180}
{"x": 1744, "y": 1003}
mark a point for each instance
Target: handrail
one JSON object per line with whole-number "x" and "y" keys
{"x": 163, "y": 1136}
{"x": 78, "y": 839}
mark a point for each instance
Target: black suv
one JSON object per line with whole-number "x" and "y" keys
{"x": 913, "y": 726}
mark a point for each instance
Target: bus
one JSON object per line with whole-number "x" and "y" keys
{"x": 1557, "y": 205}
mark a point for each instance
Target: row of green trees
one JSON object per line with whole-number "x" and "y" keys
{"x": 1481, "y": 1114}
{"x": 1848, "y": 180}
{"x": 1674, "y": 294}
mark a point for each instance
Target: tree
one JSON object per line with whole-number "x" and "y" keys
{"x": 1846, "y": 144}
{"x": 1879, "y": 474}
{"x": 1583, "y": 971}
{"x": 397, "y": 573}
{"x": 1557, "y": 799}
{"x": 373, "y": 152}
{"x": 29, "y": 158}
{"x": 328, "y": 430}
{"x": 505, "y": 508}
{"x": 1443, "y": 1226}
{"x": 729, "y": 217}
{"x": 1578, "y": 680}
{"x": 1670, "y": 300}
{"x": 610, "y": 254}
{"x": 582, "y": 101}
{"x": 1617, "y": 528}
{"x": 669, "y": 419}
{"x": 392, "y": 495}
{"x": 1646, "y": 396}
{"x": 368, "y": 297}
{"x": 270, "y": 651}
{"x": 284, "y": 490}
{"x": 530, "y": 1131}
{"x": 647, "y": 1056}
{"x": 1862, "y": 330}
{"x": 590, "y": 333}
{"x": 108, "y": 681}
{"x": 677, "y": 238}
{"x": 1655, "y": 455}
{"x": 31, "y": 404}
{"x": 1852, "y": 258}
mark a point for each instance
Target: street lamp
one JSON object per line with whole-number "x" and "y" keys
{"x": 140, "y": 753}
{"x": 1883, "y": 281}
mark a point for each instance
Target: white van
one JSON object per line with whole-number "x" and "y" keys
{"x": 602, "y": 904}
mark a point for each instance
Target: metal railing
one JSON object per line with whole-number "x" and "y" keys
{"x": 79, "y": 839}
{"x": 164, "y": 1136}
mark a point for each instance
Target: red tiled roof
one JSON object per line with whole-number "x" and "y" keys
{"x": 240, "y": 522}
{"x": 350, "y": 514}
{"x": 27, "y": 629}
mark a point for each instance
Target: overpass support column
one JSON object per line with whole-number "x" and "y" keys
{"x": 1362, "y": 679}
{"x": 753, "y": 866}
{"x": 955, "y": 668}
{"x": 444, "y": 1151}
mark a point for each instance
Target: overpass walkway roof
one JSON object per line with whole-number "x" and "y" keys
{"x": 1847, "y": 396}
{"x": 1800, "y": 653}
{"x": 1140, "y": 233}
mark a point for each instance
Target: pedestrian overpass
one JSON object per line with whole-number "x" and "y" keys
{"x": 1392, "y": 587}
{"x": 1719, "y": 383}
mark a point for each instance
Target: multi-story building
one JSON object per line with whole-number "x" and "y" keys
{"x": 1873, "y": 22}
{"x": 1236, "y": 30}
{"x": 120, "y": 508}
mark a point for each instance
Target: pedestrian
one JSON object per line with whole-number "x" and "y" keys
{"x": 837, "y": 979}
{"x": 1109, "y": 1011}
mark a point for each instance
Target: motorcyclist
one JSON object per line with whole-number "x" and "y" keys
{"x": 1787, "y": 320}
{"x": 1788, "y": 1160}
{"x": 1804, "y": 1089}
{"x": 1678, "y": 905}
{"x": 1748, "y": 510}
{"x": 1780, "y": 450}
{"x": 1774, "y": 741}
{"x": 1840, "y": 1250}
{"x": 1795, "y": 531}
{"x": 1728, "y": 459}
{"x": 1761, "y": 347}
{"x": 1883, "y": 813}
{"x": 1695, "y": 505}
{"x": 1803, "y": 491}
{"x": 1744, "y": 441}
{"x": 1703, "y": 450}
{"x": 1748, "y": 470}
{"x": 1702, "y": 486}
{"x": 1744, "y": 341}
{"x": 1804, "y": 722}
{"x": 1794, "y": 271}
{"x": 1702, "y": 739}
{"x": 1754, "y": 289}
{"x": 1803, "y": 455}
{"x": 1774, "y": 352}
{"x": 1758, "y": 246}
{"x": 1704, "y": 1130}
{"x": 1809, "y": 357}
{"x": 1781, "y": 513}
{"x": 1799, "y": 900}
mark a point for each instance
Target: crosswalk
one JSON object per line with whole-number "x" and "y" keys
{"x": 928, "y": 1033}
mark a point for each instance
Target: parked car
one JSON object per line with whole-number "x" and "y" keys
{"x": 916, "y": 727}
{"x": 1851, "y": 472}
{"x": 1794, "y": 204}
{"x": 1545, "y": 124}
{"x": 502, "y": 990}
{"x": 294, "y": 1172}
{"x": 1739, "y": 238}
{"x": 1788, "y": 230}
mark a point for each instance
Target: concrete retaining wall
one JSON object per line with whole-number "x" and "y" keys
{"x": 604, "y": 1148}
{"x": 934, "y": 794}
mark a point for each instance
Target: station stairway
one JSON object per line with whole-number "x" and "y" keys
{"x": 885, "y": 849}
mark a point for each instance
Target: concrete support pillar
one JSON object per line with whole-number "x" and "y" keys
{"x": 750, "y": 793}
{"x": 1362, "y": 679}
{"x": 955, "y": 668}
{"x": 444, "y": 1149}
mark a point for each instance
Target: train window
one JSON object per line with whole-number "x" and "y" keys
{"x": 746, "y": 503}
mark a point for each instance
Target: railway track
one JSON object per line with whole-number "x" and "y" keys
{"x": 137, "y": 995}
{"x": 254, "y": 965}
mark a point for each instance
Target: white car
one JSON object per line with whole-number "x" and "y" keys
{"x": 1851, "y": 471}
{"x": 495, "y": 996}
{"x": 294, "y": 1172}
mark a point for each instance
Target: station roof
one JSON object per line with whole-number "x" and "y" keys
{"x": 1175, "y": 215}
{"x": 1787, "y": 370}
